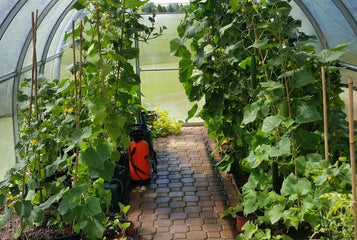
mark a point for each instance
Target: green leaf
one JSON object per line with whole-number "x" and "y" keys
{"x": 52, "y": 199}
{"x": 2, "y": 199}
{"x": 307, "y": 113}
{"x": 246, "y": 62}
{"x": 97, "y": 110}
{"x": 192, "y": 111}
{"x": 6, "y": 217}
{"x": 271, "y": 85}
{"x": 300, "y": 164}
{"x": 51, "y": 169}
{"x": 301, "y": 78}
{"x": 293, "y": 185}
{"x": 92, "y": 207}
{"x": 194, "y": 29}
{"x": 178, "y": 49}
{"x": 93, "y": 159}
{"x": 250, "y": 112}
{"x": 225, "y": 164}
{"x": 250, "y": 204}
{"x": 282, "y": 148}
{"x": 93, "y": 227}
{"x": 275, "y": 213}
{"x": 307, "y": 140}
{"x": 72, "y": 199}
{"x": 321, "y": 179}
{"x": 253, "y": 160}
{"x": 271, "y": 122}
{"x": 327, "y": 55}
{"x": 23, "y": 208}
{"x": 291, "y": 217}
{"x": 260, "y": 43}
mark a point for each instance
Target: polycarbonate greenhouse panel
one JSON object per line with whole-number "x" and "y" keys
{"x": 5, "y": 98}
{"x": 45, "y": 32}
{"x": 16, "y": 34}
{"x": 7, "y": 149}
{"x": 333, "y": 21}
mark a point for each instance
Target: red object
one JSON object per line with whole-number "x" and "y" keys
{"x": 241, "y": 220}
{"x": 139, "y": 161}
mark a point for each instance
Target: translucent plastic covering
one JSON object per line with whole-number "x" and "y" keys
{"x": 332, "y": 21}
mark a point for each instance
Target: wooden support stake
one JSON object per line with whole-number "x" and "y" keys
{"x": 325, "y": 111}
{"x": 352, "y": 153}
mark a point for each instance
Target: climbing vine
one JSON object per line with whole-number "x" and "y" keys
{"x": 81, "y": 124}
{"x": 260, "y": 78}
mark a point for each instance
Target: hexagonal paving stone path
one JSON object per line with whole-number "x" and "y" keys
{"x": 188, "y": 194}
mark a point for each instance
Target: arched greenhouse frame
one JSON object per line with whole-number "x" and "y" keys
{"x": 267, "y": 83}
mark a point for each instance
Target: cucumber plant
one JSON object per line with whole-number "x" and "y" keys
{"x": 260, "y": 79}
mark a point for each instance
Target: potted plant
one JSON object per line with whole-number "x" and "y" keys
{"x": 238, "y": 213}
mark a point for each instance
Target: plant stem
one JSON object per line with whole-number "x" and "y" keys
{"x": 101, "y": 76}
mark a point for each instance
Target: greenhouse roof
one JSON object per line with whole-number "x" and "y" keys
{"x": 333, "y": 22}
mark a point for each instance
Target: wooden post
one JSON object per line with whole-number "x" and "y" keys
{"x": 352, "y": 153}
{"x": 324, "y": 111}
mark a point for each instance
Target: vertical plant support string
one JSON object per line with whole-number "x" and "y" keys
{"x": 352, "y": 153}
{"x": 324, "y": 103}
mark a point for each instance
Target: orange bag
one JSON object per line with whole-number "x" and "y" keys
{"x": 139, "y": 161}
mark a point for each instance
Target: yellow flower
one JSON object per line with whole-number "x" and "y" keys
{"x": 11, "y": 197}
{"x": 9, "y": 205}
{"x": 65, "y": 102}
{"x": 65, "y": 110}
{"x": 243, "y": 9}
{"x": 106, "y": 25}
{"x": 22, "y": 135}
{"x": 266, "y": 96}
{"x": 249, "y": 0}
{"x": 255, "y": 6}
{"x": 70, "y": 110}
{"x": 258, "y": 160}
{"x": 24, "y": 120}
{"x": 235, "y": 73}
{"x": 329, "y": 177}
{"x": 33, "y": 142}
{"x": 100, "y": 90}
{"x": 274, "y": 39}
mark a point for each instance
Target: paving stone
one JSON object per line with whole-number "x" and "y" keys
{"x": 180, "y": 235}
{"x": 197, "y": 235}
{"x": 176, "y": 216}
{"x": 163, "y": 223}
{"x": 186, "y": 197}
{"x": 179, "y": 228}
{"x": 163, "y": 235}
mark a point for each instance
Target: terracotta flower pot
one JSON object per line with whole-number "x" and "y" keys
{"x": 240, "y": 221}
{"x": 129, "y": 232}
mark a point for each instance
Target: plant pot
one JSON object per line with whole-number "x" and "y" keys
{"x": 240, "y": 221}
{"x": 129, "y": 232}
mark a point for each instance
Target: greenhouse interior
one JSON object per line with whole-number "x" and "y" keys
{"x": 178, "y": 118}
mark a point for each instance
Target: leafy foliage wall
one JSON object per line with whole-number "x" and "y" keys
{"x": 73, "y": 130}
{"x": 260, "y": 78}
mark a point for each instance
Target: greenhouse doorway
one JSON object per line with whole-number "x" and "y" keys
{"x": 159, "y": 72}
